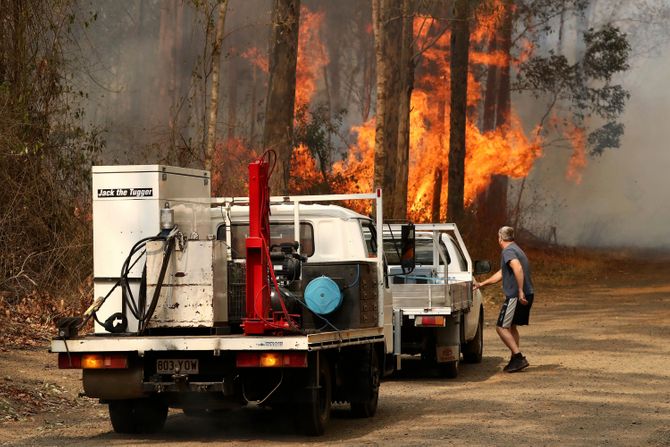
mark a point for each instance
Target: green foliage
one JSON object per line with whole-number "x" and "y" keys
{"x": 607, "y": 52}
{"x": 606, "y": 136}
{"x": 586, "y": 86}
{"x": 316, "y": 129}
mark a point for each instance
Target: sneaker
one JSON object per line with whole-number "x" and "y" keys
{"x": 517, "y": 363}
{"x": 506, "y": 367}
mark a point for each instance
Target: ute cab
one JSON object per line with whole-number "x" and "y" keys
{"x": 333, "y": 241}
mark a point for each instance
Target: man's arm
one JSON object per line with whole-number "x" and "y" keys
{"x": 518, "y": 274}
{"x": 496, "y": 277}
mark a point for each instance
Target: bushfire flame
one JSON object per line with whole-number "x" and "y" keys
{"x": 504, "y": 151}
{"x": 507, "y": 150}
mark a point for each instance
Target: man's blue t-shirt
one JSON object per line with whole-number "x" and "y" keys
{"x": 510, "y": 287}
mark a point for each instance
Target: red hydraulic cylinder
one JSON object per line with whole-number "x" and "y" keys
{"x": 257, "y": 287}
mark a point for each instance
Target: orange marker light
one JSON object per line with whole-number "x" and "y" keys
{"x": 271, "y": 359}
{"x": 106, "y": 361}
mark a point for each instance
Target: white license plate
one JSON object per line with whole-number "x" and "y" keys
{"x": 177, "y": 366}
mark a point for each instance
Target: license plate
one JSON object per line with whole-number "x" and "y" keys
{"x": 177, "y": 366}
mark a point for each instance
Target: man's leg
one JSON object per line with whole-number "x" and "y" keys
{"x": 507, "y": 337}
{"x": 515, "y": 334}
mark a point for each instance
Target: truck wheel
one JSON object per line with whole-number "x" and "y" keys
{"x": 369, "y": 389}
{"x": 137, "y": 416}
{"x": 474, "y": 349}
{"x": 315, "y": 413}
{"x": 121, "y": 415}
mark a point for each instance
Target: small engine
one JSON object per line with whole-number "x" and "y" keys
{"x": 287, "y": 261}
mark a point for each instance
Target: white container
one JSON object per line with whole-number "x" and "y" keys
{"x": 127, "y": 201}
{"x": 194, "y": 290}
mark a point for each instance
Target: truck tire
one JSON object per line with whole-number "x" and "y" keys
{"x": 121, "y": 415}
{"x": 370, "y": 378}
{"x": 137, "y": 415}
{"x": 315, "y": 413}
{"x": 474, "y": 349}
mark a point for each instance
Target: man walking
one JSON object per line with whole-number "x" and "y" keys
{"x": 518, "y": 289}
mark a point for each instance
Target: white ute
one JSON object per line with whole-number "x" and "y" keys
{"x": 436, "y": 314}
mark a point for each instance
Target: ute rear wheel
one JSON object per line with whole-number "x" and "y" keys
{"x": 314, "y": 414}
{"x": 137, "y": 415}
{"x": 474, "y": 349}
{"x": 450, "y": 369}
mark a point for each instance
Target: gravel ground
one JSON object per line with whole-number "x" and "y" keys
{"x": 599, "y": 375}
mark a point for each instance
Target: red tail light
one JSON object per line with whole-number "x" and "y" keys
{"x": 92, "y": 361}
{"x": 248, "y": 359}
{"x": 271, "y": 359}
{"x": 295, "y": 360}
{"x": 69, "y": 361}
{"x": 430, "y": 320}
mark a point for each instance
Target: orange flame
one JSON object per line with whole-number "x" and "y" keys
{"x": 504, "y": 151}
{"x": 257, "y": 59}
{"x": 312, "y": 56}
{"x": 234, "y": 156}
{"x": 577, "y": 137}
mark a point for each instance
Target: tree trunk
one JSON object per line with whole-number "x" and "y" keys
{"x": 497, "y": 194}
{"x": 233, "y": 86}
{"x": 437, "y": 194}
{"x": 387, "y": 26}
{"x": 439, "y": 176}
{"x": 490, "y": 96}
{"x": 253, "y": 111}
{"x": 278, "y": 133}
{"x": 460, "y": 42}
{"x": 492, "y": 203}
{"x": 406, "y": 86}
{"x": 504, "y": 102}
{"x": 214, "y": 91}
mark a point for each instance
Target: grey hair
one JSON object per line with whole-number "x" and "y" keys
{"x": 506, "y": 234}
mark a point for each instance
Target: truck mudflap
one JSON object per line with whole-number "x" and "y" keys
{"x": 114, "y": 384}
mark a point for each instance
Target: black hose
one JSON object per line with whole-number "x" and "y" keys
{"x": 154, "y": 300}
{"x": 137, "y": 308}
{"x": 125, "y": 271}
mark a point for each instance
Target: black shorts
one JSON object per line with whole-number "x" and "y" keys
{"x": 513, "y": 312}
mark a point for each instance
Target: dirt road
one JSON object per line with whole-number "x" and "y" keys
{"x": 599, "y": 375}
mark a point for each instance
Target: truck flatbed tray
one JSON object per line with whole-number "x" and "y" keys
{"x": 236, "y": 342}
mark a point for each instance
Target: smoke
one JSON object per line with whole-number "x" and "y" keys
{"x": 621, "y": 200}
{"x": 146, "y": 78}
{"x": 146, "y": 73}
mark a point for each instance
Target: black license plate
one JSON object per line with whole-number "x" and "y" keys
{"x": 177, "y": 366}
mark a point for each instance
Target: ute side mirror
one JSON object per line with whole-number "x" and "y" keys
{"x": 407, "y": 245}
{"x": 482, "y": 267}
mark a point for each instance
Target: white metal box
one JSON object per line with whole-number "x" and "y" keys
{"x": 194, "y": 290}
{"x": 126, "y": 208}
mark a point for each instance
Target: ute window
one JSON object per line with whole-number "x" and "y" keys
{"x": 279, "y": 233}
{"x": 370, "y": 237}
{"x": 423, "y": 250}
{"x": 221, "y": 232}
{"x": 460, "y": 258}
